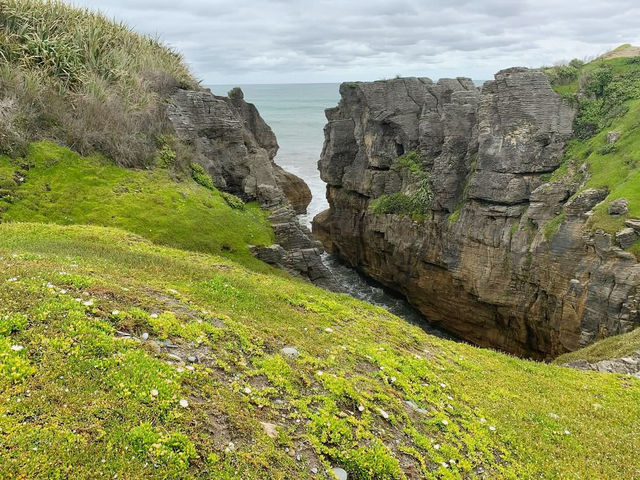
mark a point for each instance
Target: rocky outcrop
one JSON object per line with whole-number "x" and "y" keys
{"x": 629, "y": 365}
{"x": 237, "y": 148}
{"x": 501, "y": 258}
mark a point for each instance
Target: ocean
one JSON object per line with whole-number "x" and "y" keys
{"x": 296, "y": 115}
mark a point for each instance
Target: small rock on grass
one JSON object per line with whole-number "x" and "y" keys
{"x": 340, "y": 473}
{"x": 290, "y": 352}
{"x": 145, "y": 336}
{"x": 270, "y": 429}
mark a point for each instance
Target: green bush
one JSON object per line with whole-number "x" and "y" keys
{"x": 233, "y": 201}
{"x": 201, "y": 176}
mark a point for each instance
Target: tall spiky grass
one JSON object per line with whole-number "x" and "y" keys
{"x": 77, "y": 77}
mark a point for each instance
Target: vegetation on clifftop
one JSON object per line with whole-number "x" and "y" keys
{"x": 607, "y": 92}
{"x": 77, "y": 77}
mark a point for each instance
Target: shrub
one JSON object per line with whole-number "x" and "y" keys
{"x": 233, "y": 201}
{"x": 201, "y": 176}
{"x": 77, "y": 77}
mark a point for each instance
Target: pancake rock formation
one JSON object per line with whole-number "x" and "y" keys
{"x": 470, "y": 165}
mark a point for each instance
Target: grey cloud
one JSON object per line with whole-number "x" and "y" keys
{"x": 253, "y": 41}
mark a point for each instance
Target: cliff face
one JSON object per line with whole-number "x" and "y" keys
{"x": 479, "y": 262}
{"x": 237, "y": 148}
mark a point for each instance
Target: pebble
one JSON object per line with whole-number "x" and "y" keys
{"x": 174, "y": 357}
{"x": 154, "y": 393}
{"x": 154, "y": 315}
{"x": 88, "y": 303}
{"x": 17, "y": 348}
{"x": 340, "y": 473}
{"x": 115, "y": 312}
{"x": 290, "y": 352}
{"x": 314, "y": 470}
{"x": 384, "y": 414}
{"x": 184, "y": 403}
{"x": 247, "y": 390}
{"x": 328, "y": 329}
{"x": 361, "y": 408}
{"x": 145, "y": 336}
{"x": 492, "y": 428}
{"x": 192, "y": 359}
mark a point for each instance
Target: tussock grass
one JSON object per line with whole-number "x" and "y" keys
{"x": 82, "y": 79}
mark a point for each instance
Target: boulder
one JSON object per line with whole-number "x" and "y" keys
{"x": 584, "y": 201}
{"x": 612, "y": 137}
{"x": 619, "y": 206}
{"x": 626, "y": 237}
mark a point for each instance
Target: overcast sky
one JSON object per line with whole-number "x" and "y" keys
{"x": 283, "y": 41}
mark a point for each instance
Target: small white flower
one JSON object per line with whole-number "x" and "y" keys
{"x": 12, "y": 279}
{"x": 154, "y": 393}
{"x": 492, "y": 428}
{"x": 445, "y": 422}
{"x": 445, "y": 464}
{"x": 567, "y": 432}
{"x": 319, "y": 373}
{"x": 88, "y": 303}
{"x": 443, "y": 385}
{"x": 247, "y": 390}
{"x": 63, "y": 291}
{"x": 483, "y": 420}
{"x": 328, "y": 329}
{"x": 17, "y": 348}
{"x": 154, "y": 315}
{"x": 361, "y": 408}
{"x": 393, "y": 379}
{"x": 184, "y": 403}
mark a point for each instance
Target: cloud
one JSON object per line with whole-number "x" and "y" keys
{"x": 286, "y": 41}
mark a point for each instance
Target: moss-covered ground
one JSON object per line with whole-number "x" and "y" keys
{"x": 52, "y": 184}
{"x": 82, "y": 399}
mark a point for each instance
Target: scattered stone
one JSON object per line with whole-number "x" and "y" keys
{"x": 154, "y": 393}
{"x": 145, "y": 336}
{"x": 17, "y": 348}
{"x": 120, "y": 333}
{"x": 230, "y": 447}
{"x": 270, "y": 429}
{"x": 383, "y": 414}
{"x": 88, "y": 303}
{"x": 619, "y": 206}
{"x": 174, "y": 357}
{"x": 154, "y": 315}
{"x": 192, "y": 359}
{"x": 328, "y": 329}
{"x": 290, "y": 352}
{"x": 361, "y": 408}
{"x": 314, "y": 470}
{"x": 115, "y": 312}
{"x": 626, "y": 237}
{"x": 340, "y": 473}
{"x": 247, "y": 390}
{"x": 633, "y": 223}
{"x": 612, "y": 137}
{"x": 184, "y": 403}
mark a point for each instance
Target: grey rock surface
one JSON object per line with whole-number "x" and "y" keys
{"x": 619, "y": 206}
{"x": 237, "y": 148}
{"x": 481, "y": 264}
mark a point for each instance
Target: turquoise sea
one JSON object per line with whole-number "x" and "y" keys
{"x": 295, "y": 112}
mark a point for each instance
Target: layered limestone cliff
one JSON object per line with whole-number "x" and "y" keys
{"x": 237, "y": 148}
{"x": 479, "y": 262}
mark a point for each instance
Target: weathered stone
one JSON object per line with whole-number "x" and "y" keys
{"x": 620, "y": 206}
{"x": 492, "y": 273}
{"x": 340, "y": 473}
{"x": 585, "y": 201}
{"x": 626, "y": 237}
{"x": 237, "y": 148}
{"x": 612, "y": 137}
{"x": 633, "y": 223}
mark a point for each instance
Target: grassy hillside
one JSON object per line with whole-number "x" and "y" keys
{"x": 51, "y": 184}
{"x": 80, "y": 400}
{"x": 607, "y": 94}
{"x": 77, "y": 77}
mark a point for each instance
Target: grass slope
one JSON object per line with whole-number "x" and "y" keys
{"x": 78, "y": 401}
{"x": 609, "y": 101}
{"x": 54, "y": 185}
{"x": 609, "y": 348}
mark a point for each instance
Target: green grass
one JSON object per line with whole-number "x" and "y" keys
{"x": 80, "y": 402}
{"x": 617, "y": 166}
{"x": 612, "y": 347}
{"x": 62, "y": 187}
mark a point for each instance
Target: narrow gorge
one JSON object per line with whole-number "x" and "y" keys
{"x": 450, "y": 195}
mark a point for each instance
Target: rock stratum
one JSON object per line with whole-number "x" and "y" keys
{"x": 501, "y": 257}
{"x": 237, "y": 148}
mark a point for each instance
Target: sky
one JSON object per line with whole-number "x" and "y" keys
{"x": 284, "y": 41}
